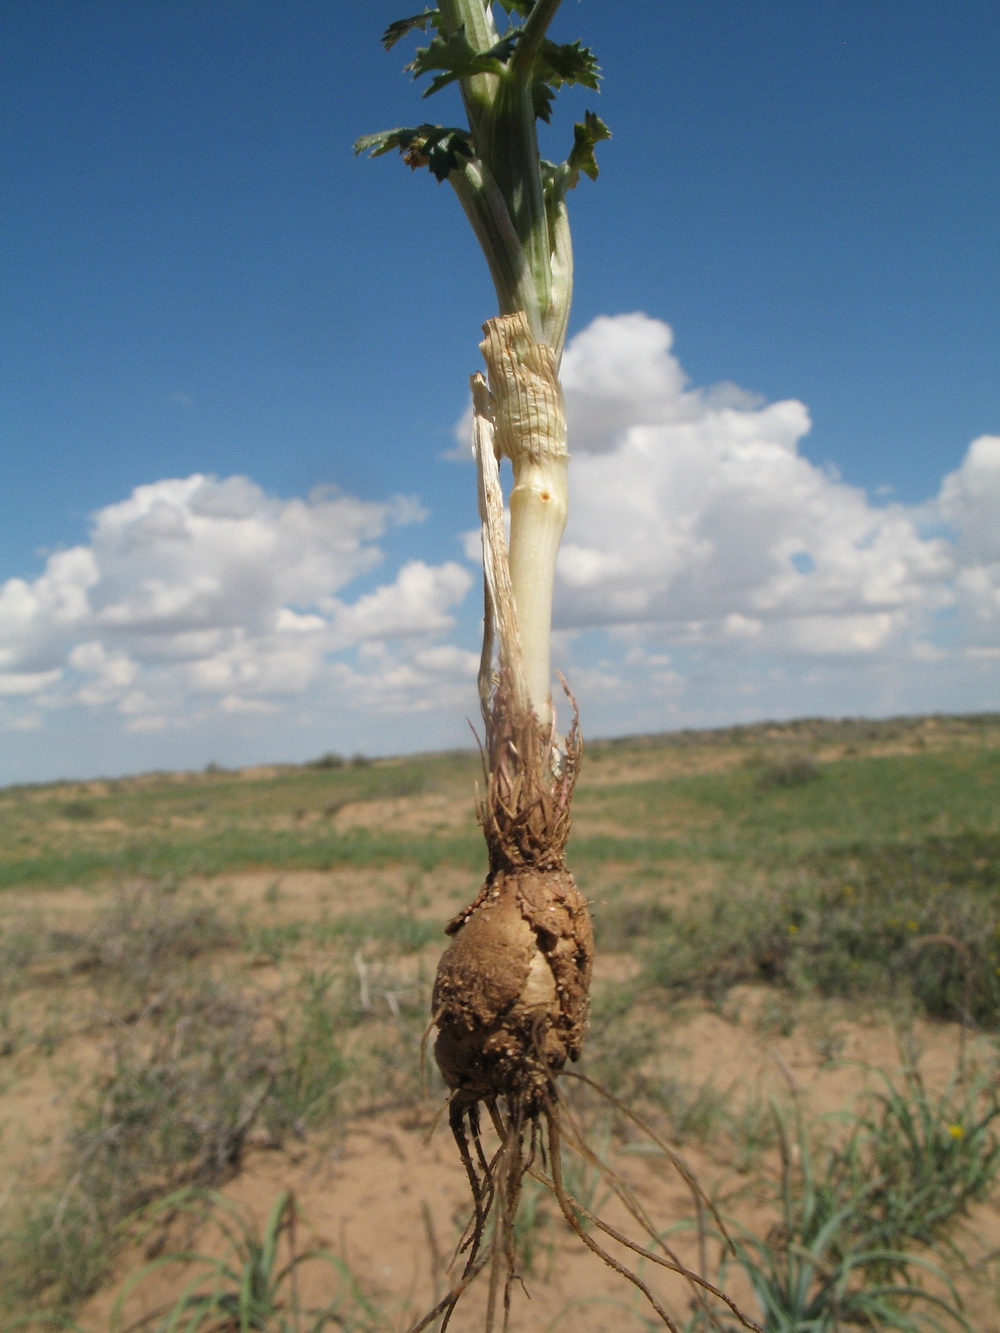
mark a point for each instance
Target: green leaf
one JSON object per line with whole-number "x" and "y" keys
{"x": 437, "y": 147}
{"x": 558, "y": 65}
{"x": 567, "y": 63}
{"x": 458, "y": 59}
{"x": 401, "y": 27}
{"x": 443, "y": 154}
{"x": 541, "y": 97}
{"x": 383, "y": 142}
{"x": 522, "y": 7}
{"x": 585, "y": 135}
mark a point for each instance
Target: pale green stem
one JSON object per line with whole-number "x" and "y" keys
{"x": 508, "y": 143}
{"x": 486, "y": 210}
{"x": 481, "y": 32}
{"x": 556, "y": 318}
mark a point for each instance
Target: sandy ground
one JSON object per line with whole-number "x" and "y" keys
{"x": 388, "y": 1196}
{"x": 386, "y": 1192}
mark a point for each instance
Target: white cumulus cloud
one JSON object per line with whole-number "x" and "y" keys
{"x": 970, "y": 501}
{"x": 695, "y": 515}
{"x": 196, "y": 593}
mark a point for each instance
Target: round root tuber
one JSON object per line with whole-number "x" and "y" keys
{"x": 511, "y": 996}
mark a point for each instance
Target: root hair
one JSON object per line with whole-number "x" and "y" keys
{"x": 527, "y": 1130}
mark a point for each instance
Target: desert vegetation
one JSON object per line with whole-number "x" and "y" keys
{"x": 214, "y": 988}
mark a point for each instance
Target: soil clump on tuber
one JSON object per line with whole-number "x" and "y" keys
{"x": 512, "y": 991}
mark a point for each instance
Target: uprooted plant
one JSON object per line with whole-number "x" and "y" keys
{"x": 512, "y": 991}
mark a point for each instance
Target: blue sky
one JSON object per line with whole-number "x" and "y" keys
{"x": 200, "y": 280}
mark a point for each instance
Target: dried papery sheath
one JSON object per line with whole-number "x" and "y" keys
{"x": 499, "y": 616}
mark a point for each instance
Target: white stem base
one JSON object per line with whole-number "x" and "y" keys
{"x": 530, "y": 429}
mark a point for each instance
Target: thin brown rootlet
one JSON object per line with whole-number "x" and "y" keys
{"x": 531, "y": 1143}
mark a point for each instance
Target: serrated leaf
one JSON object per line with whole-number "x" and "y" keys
{"x": 567, "y": 63}
{"x": 521, "y": 7}
{"x": 558, "y": 65}
{"x": 383, "y": 142}
{"x": 396, "y": 31}
{"x": 458, "y": 59}
{"x": 442, "y": 156}
{"x": 437, "y": 147}
{"x": 542, "y": 97}
{"x": 586, "y": 135}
